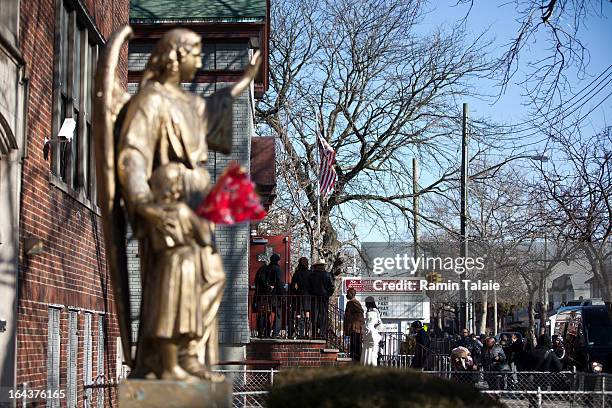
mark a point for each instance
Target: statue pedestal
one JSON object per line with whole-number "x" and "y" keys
{"x": 136, "y": 393}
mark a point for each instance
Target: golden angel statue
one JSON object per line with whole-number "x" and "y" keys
{"x": 151, "y": 151}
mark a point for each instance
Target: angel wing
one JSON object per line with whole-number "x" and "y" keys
{"x": 109, "y": 103}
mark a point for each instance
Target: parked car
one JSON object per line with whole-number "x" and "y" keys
{"x": 587, "y": 335}
{"x": 586, "y": 302}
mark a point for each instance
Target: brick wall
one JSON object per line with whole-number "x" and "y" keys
{"x": 293, "y": 353}
{"x": 72, "y": 270}
{"x": 233, "y": 241}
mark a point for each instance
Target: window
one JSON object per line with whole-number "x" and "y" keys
{"x": 73, "y": 347}
{"x": 215, "y": 56}
{"x": 53, "y": 355}
{"x": 87, "y": 359}
{"x": 9, "y": 20}
{"x": 224, "y": 57}
{"x": 76, "y": 53}
{"x": 100, "y": 374}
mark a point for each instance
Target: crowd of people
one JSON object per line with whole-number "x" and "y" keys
{"x": 510, "y": 353}
{"x": 300, "y": 309}
{"x": 302, "y": 314}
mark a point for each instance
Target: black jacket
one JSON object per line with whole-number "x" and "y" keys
{"x": 262, "y": 281}
{"x": 545, "y": 359}
{"x": 473, "y": 346}
{"x": 513, "y": 350}
{"x": 299, "y": 282}
{"x": 277, "y": 279}
{"x": 422, "y": 349}
{"x": 320, "y": 283}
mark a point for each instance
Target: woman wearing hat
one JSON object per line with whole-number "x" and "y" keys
{"x": 371, "y": 336}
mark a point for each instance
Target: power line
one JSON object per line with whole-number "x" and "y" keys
{"x": 562, "y": 114}
{"x": 576, "y": 122}
{"x": 569, "y": 100}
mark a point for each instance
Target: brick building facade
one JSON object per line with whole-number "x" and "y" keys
{"x": 66, "y": 331}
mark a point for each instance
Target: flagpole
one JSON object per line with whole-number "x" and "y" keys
{"x": 318, "y": 240}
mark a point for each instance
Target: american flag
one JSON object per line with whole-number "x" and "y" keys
{"x": 327, "y": 173}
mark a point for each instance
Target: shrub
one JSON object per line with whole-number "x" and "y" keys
{"x": 367, "y": 387}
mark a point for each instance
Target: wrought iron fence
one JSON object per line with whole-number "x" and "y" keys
{"x": 442, "y": 345}
{"x": 297, "y": 317}
{"x": 399, "y": 360}
{"x": 335, "y": 335}
{"x": 434, "y": 362}
{"x": 399, "y": 343}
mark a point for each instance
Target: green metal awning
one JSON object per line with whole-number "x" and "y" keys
{"x": 157, "y": 11}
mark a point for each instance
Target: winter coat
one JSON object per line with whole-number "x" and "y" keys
{"x": 299, "y": 282}
{"x": 475, "y": 347}
{"x": 277, "y": 279}
{"x": 353, "y": 317}
{"x": 488, "y": 358}
{"x": 321, "y": 283}
{"x": 422, "y": 349}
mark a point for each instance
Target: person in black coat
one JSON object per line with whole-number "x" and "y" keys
{"x": 541, "y": 358}
{"x": 262, "y": 301}
{"x": 277, "y": 282}
{"x": 299, "y": 280}
{"x": 299, "y": 302}
{"x": 321, "y": 287}
{"x": 423, "y": 344}
{"x": 544, "y": 356}
{"x": 515, "y": 348}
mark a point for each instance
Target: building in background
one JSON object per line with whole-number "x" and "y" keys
{"x": 231, "y": 31}
{"x": 66, "y": 331}
{"x": 13, "y": 86}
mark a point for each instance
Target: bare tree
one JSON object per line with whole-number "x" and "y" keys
{"x": 575, "y": 196}
{"x": 355, "y": 73}
{"x": 554, "y": 28}
{"x": 506, "y": 227}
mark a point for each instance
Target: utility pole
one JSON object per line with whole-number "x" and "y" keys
{"x": 494, "y": 302}
{"x": 415, "y": 205}
{"x": 464, "y": 206}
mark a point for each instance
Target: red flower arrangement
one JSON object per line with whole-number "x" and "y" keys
{"x": 232, "y": 199}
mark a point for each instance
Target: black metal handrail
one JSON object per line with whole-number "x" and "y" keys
{"x": 291, "y": 316}
{"x": 336, "y": 337}
{"x": 298, "y": 317}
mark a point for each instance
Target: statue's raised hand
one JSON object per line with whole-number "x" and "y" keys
{"x": 250, "y": 72}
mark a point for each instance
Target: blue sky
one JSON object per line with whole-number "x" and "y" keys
{"x": 498, "y": 18}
